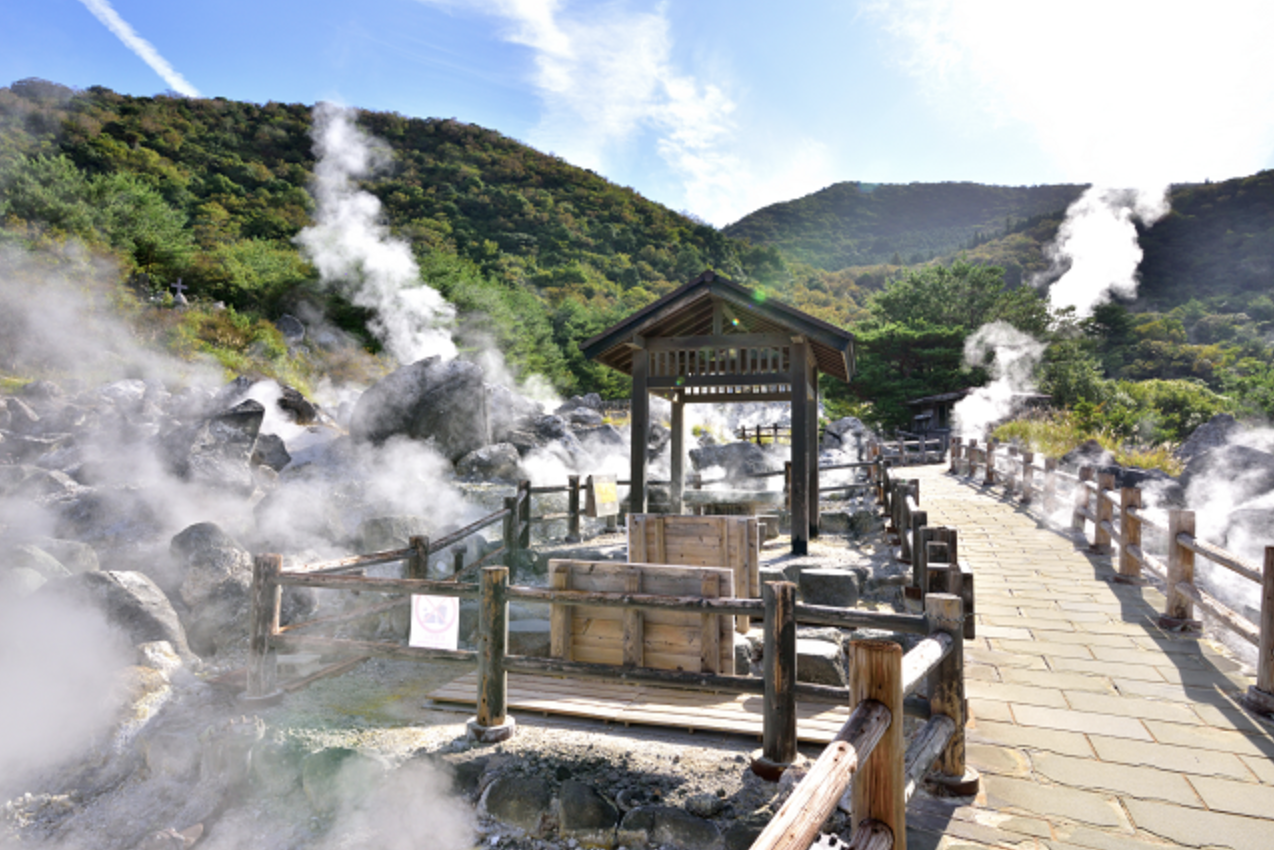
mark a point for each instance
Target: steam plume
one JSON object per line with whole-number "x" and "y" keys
{"x": 105, "y": 12}
{"x": 1096, "y": 252}
{"x": 354, "y": 251}
{"x": 1012, "y": 357}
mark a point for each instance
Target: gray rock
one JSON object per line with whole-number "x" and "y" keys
{"x": 666, "y": 826}
{"x": 31, "y": 482}
{"x": 106, "y": 517}
{"x": 1087, "y": 453}
{"x": 131, "y": 602}
{"x": 41, "y": 391}
{"x": 738, "y": 459}
{"x": 519, "y": 801}
{"x": 22, "y": 417}
{"x": 592, "y": 401}
{"x": 218, "y": 451}
{"x": 846, "y": 435}
{"x": 291, "y": 327}
{"x": 382, "y": 533}
{"x": 207, "y": 558}
{"x": 1213, "y": 434}
{"x": 550, "y": 428}
{"x": 584, "y": 417}
{"x": 601, "y": 438}
{"x": 297, "y": 407}
{"x": 271, "y": 452}
{"x": 741, "y": 835}
{"x": 1250, "y": 529}
{"x": 705, "y": 805}
{"x": 432, "y": 400}
{"x": 27, "y": 556}
{"x": 1242, "y": 472}
{"x": 821, "y": 662}
{"x": 657, "y": 438}
{"x": 75, "y": 556}
{"x": 508, "y": 411}
{"x": 834, "y": 587}
{"x": 585, "y": 815}
{"x": 496, "y": 462}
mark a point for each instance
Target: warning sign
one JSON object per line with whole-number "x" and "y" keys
{"x": 603, "y": 496}
{"x": 435, "y": 622}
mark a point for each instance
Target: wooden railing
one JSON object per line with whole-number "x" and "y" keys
{"x": 1118, "y": 516}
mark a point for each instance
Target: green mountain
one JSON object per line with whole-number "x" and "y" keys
{"x": 863, "y": 224}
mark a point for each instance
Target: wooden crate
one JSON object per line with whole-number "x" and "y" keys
{"x": 665, "y": 640}
{"x": 733, "y": 542}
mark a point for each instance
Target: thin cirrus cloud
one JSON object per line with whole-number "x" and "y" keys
{"x": 606, "y": 79}
{"x": 105, "y": 12}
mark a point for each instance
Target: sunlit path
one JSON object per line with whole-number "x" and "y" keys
{"x": 1091, "y": 726}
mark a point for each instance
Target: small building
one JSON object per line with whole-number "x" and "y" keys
{"x": 715, "y": 341}
{"x": 935, "y": 412}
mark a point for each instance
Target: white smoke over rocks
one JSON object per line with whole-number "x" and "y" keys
{"x": 1011, "y": 356}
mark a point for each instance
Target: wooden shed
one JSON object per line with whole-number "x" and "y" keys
{"x": 713, "y": 341}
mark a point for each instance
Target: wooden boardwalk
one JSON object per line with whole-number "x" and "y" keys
{"x": 1091, "y": 726}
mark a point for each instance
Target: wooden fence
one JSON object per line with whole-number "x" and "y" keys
{"x": 1118, "y": 516}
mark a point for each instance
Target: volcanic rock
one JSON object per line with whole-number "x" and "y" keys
{"x": 216, "y": 582}
{"x": 847, "y": 434}
{"x": 1243, "y": 472}
{"x": 520, "y": 801}
{"x": 1087, "y": 453}
{"x": 739, "y": 459}
{"x": 271, "y": 452}
{"x": 131, "y": 602}
{"x": 218, "y": 451}
{"x": 1213, "y": 434}
{"x": 496, "y": 462}
{"x": 585, "y": 815}
{"x": 666, "y": 826}
{"x": 443, "y": 402}
{"x": 299, "y": 409}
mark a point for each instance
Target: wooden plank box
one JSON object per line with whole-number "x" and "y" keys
{"x": 664, "y": 640}
{"x": 733, "y": 542}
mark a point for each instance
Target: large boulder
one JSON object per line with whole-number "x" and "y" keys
{"x": 131, "y": 602}
{"x": 216, "y": 586}
{"x": 508, "y": 411}
{"x": 847, "y": 434}
{"x": 666, "y": 826}
{"x": 270, "y": 451}
{"x": 443, "y": 402}
{"x": 218, "y": 451}
{"x": 496, "y": 462}
{"x": 739, "y": 460}
{"x": 1213, "y": 434}
{"x": 106, "y": 517}
{"x": 1241, "y": 472}
{"x": 1087, "y": 453}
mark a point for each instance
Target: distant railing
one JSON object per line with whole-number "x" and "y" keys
{"x": 1118, "y": 516}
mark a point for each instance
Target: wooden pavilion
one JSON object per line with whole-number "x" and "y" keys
{"x": 713, "y": 341}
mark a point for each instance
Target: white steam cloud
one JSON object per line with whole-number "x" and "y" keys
{"x": 354, "y": 251}
{"x": 105, "y": 12}
{"x": 1013, "y": 356}
{"x": 1096, "y": 251}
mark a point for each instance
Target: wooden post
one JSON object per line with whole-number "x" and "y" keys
{"x": 573, "y": 509}
{"x": 1130, "y": 532}
{"x": 946, "y": 694}
{"x": 634, "y": 619}
{"x": 879, "y": 791}
{"x": 778, "y": 741}
{"x": 811, "y": 447}
{"x": 418, "y": 560}
{"x": 492, "y": 723}
{"x": 1050, "y": 485}
{"x": 800, "y": 495}
{"x": 1105, "y": 513}
{"x": 1011, "y": 482}
{"x": 457, "y": 561}
{"x": 267, "y": 596}
{"x": 1081, "y": 498}
{"x": 639, "y": 428}
{"x": 1028, "y": 477}
{"x": 989, "y": 478}
{"x": 677, "y": 461}
{"x": 524, "y": 515}
{"x": 511, "y": 535}
{"x": 919, "y": 551}
{"x": 1260, "y": 697}
{"x": 1178, "y": 609}
{"x": 955, "y": 456}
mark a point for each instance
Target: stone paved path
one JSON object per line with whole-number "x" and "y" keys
{"x": 1091, "y": 726}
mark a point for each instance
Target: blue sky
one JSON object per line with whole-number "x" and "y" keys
{"x": 721, "y": 107}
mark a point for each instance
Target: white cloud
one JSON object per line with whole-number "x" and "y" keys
{"x": 606, "y": 77}
{"x": 105, "y": 12}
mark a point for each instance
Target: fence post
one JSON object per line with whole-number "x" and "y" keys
{"x": 989, "y": 478}
{"x": 1050, "y": 485}
{"x": 955, "y": 455}
{"x": 1260, "y": 697}
{"x": 266, "y": 598}
{"x": 1081, "y": 498}
{"x": 879, "y": 791}
{"x": 1130, "y": 533}
{"x": 971, "y": 458}
{"x": 919, "y": 552}
{"x": 778, "y": 735}
{"x": 418, "y": 560}
{"x": 524, "y": 515}
{"x": 1178, "y": 609}
{"x": 946, "y": 694}
{"x": 492, "y": 723}
{"x": 457, "y": 561}
{"x": 1105, "y": 513}
{"x": 572, "y": 509}
{"x": 1011, "y": 482}
{"x": 511, "y": 535}
{"x": 1028, "y": 477}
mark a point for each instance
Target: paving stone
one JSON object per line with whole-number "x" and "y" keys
{"x": 1080, "y": 721}
{"x": 1204, "y": 678}
{"x": 1072, "y": 838}
{"x": 988, "y": 758}
{"x": 1143, "y": 656}
{"x": 1122, "y": 779}
{"x": 1178, "y": 646}
{"x": 1004, "y": 659}
{"x": 1107, "y": 668}
{"x": 1227, "y": 715}
{"x": 1164, "y": 690}
{"x": 989, "y": 709}
{"x": 1085, "y": 637}
{"x": 1196, "y": 828}
{"x": 1051, "y": 679}
{"x": 1210, "y": 738}
{"x": 1039, "y": 647}
{"x": 1262, "y": 767}
{"x": 1131, "y": 707}
{"x": 1030, "y": 738}
{"x": 1190, "y": 760}
{"x": 981, "y": 673}
{"x": 1015, "y": 693}
{"x": 1010, "y": 632}
{"x": 1239, "y": 798}
{"x": 1082, "y": 806}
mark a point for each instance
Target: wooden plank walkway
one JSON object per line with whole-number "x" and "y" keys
{"x": 1091, "y": 726}
{"x": 647, "y": 705}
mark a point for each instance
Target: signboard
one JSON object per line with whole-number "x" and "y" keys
{"x": 603, "y": 496}
{"x": 435, "y": 622}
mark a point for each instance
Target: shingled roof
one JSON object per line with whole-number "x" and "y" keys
{"x": 688, "y": 311}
